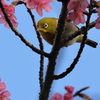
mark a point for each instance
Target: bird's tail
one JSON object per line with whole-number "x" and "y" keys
{"x": 88, "y": 41}
{"x": 91, "y": 43}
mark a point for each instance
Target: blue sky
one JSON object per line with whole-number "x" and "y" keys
{"x": 19, "y": 65}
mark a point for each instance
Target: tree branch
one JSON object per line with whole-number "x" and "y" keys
{"x": 54, "y": 52}
{"x": 75, "y": 34}
{"x": 20, "y": 36}
{"x": 70, "y": 37}
{"x": 41, "y": 81}
{"x": 72, "y": 66}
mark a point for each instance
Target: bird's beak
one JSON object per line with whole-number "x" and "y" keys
{"x": 40, "y": 29}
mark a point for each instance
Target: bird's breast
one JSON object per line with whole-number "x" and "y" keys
{"x": 48, "y": 37}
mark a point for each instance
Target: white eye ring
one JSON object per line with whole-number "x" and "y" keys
{"x": 46, "y": 25}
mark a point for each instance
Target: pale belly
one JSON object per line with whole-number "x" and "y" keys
{"x": 71, "y": 42}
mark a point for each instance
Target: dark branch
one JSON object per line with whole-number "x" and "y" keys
{"x": 75, "y": 34}
{"x": 92, "y": 24}
{"x": 69, "y": 37}
{"x": 55, "y": 50}
{"x": 78, "y": 92}
{"x": 20, "y": 36}
{"x": 41, "y": 48}
{"x": 72, "y": 66}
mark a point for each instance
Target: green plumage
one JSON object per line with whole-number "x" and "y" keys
{"x": 47, "y": 27}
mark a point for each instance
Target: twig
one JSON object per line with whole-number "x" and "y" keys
{"x": 75, "y": 34}
{"x": 55, "y": 50}
{"x": 41, "y": 81}
{"x": 78, "y": 92}
{"x": 72, "y": 66}
{"x": 92, "y": 24}
{"x": 70, "y": 37}
{"x": 20, "y": 36}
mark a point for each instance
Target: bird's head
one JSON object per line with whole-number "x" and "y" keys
{"x": 47, "y": 27}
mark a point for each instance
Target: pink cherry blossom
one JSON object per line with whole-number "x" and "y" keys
{"x": 68, "y": 96}
{"x": 31, "y": 4}
{"x": 43, "y": 4}
{"x": 3, "y": 94}
{"x": 12, "y": 19}
{"x": 2, "y": 86}
{"x": 97, "y": 25}
{"x": 39, "y": 5}
{"x": 77, "y": 5}
{"x": 77, "y": 18}
{"x": 10, "y": 10}
{"x": 57, "y": 96}
{"x": 98, "y": 10}
{"x": 69, "y": 89}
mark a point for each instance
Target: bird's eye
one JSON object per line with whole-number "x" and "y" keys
{"x": 46, "y": 25}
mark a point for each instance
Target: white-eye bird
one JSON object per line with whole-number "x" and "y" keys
{"x": 47, "y": 27}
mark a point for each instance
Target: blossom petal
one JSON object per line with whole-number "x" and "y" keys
{"x": 68, "y": 96}
{"x": 2, "y": 86}
{"x": 77, "y": 5}
{"x": 69, "y": 89}
{"x": 97, "y": 25}
{"x": 47, "y": 7}
{"x": 98, "y": 10}
{"x": 57, "y": 96}
{"x": 5, "y": 94}
{"x": 10, "y": 10}
{"x": 39, "y": 10}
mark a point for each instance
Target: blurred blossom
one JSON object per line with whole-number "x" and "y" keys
{"x": 39, "y": 5}
{"x": 77, "y": 5}
{"x": 3, "y": 93}
{"x": 10, "y": 11}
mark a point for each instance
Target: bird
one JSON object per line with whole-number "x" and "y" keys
{"x": 47, "y": 29}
